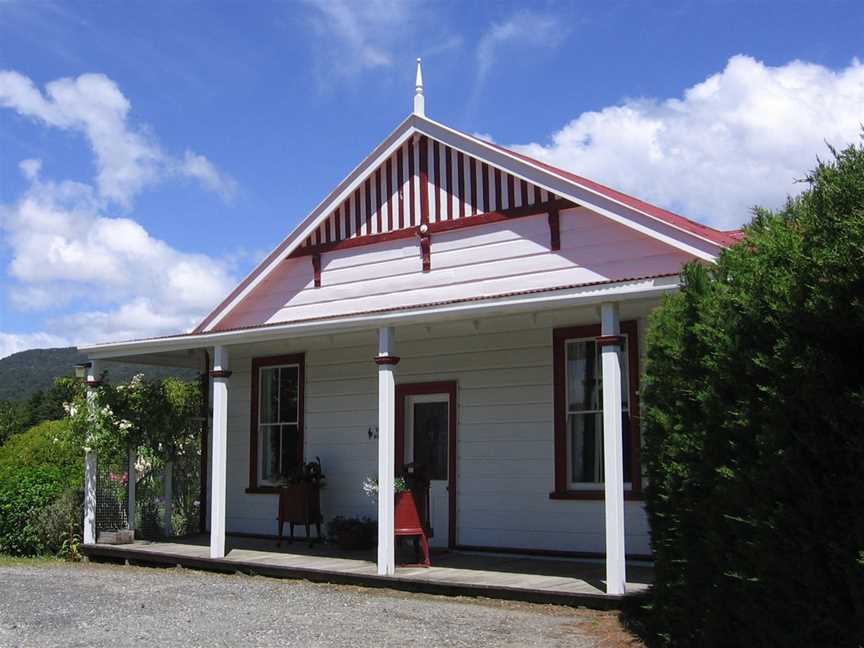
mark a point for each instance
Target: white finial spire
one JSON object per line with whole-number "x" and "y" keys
{"x": 419, "y": 99}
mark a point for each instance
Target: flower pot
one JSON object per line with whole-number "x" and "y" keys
{"x": 407, "y": 518}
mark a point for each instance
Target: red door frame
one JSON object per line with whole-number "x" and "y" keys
{"x": 415, "y": 389}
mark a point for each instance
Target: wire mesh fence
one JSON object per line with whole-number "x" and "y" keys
{"x": 167, "y": 490}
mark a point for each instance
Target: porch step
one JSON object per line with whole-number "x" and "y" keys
{"x": 439, "y": 581}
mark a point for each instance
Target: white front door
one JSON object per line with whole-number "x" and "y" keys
{"x": 427, "y": 444}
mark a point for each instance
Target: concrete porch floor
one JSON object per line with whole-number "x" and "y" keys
{"x": 512, "y": 577}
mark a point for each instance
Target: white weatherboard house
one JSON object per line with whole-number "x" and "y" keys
{"x": 450, "y": 284}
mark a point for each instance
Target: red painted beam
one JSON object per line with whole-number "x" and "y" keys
{"x": 444, "y": 226}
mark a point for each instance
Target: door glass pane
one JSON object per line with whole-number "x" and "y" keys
{"x": 288, "y": 392}
{"x": 586, "y": 447}
{"x": 431, "y": 438}
{"x": 583, "y": 376}
{"x": 269, "y": 402}
{"x": 290, "y": 449}
{"x": 269, "y": 452}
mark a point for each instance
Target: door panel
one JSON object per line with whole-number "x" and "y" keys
{"x": 427, "y": 439}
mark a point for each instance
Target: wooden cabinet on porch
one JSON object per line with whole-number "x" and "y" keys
{"x": 300, "y": 504}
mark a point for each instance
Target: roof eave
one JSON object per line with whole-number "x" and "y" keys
{"x": 623, "y": 290}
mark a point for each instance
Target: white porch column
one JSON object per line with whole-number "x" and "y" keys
{"x": 613, "y": 458}
{"x": 220, "y": 375}
{"x": 168, "y": 494}
{"x": 131, "y": 483}
{"x": 94, "y": 378}
{"x": 386, "y": 362}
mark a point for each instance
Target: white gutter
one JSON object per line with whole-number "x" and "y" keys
{"x": 577, "y": 296}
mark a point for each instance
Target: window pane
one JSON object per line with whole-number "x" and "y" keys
{"x": 269, "y": 401}
{"x": 290, "y": 449}
{"x": 288, "y": 390}
{"x": 586, "y": 448}
{"x": 583, "y": 376}
{"x": 269, "y": 452}
{"x": 431, "y": 424}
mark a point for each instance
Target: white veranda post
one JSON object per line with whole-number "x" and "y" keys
{"x": 168, "y": 496}
{"x": 386, "y": 362}
{"x": 613, "y": 458}
{"x": 131, "y": 482}
{"x": 94, "y": 378}
{"x": 220, "y": 375}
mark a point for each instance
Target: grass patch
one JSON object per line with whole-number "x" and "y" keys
{"x": 11, "y": 561}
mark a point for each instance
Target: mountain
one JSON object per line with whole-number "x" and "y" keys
{"x": 25, "y": 372}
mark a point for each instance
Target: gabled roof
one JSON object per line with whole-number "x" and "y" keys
{"x": 698, "y": 240}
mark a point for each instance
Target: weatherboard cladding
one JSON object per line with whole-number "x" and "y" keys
{"x": 460, "y": 187}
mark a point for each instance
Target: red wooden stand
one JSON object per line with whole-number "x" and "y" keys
{"x": 300, "y": 504}
{"x": 408, "y": 521}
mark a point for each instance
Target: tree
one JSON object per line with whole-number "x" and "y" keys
{"x": 13, "y": 419}
{"x": 754, "y": 430}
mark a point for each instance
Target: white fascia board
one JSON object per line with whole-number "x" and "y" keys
{"x": 578, "y": 296}
{"x": 615, "y": 210}
{"x": 344, "y": 190}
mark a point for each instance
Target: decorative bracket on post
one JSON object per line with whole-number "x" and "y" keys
{"x": 554, "y": 229}
{"x": 316, "y": 268}
{"x": 425, "y": 246}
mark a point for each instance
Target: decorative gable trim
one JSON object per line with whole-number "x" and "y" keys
{"x": 405, "y": 191}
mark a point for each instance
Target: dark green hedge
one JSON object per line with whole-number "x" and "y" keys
{"x": 40, "y": 479}
{"x": 754, "y": 431}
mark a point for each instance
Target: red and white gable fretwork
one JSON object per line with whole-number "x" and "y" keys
{"x": 389, "y": 199}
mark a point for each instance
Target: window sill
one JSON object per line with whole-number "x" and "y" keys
{"x": 593, "y": 495}
{"x": 262, "y": 490}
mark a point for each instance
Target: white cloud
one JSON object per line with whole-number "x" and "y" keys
{"x": 524, "y": 29}
{"x": 739, "y": 138}
{"x": 357, "y": 26}
{"x": 65, "y": 248}
{"x": 354, "y": 37}
{"x": 357, "y": 37}
{"x": 139, "y": 318}
{"x": 14, "y": 342}
{"x": 30, "y": 168}
{"x": 127, "y": 158}
{"x": 199, "y": 167}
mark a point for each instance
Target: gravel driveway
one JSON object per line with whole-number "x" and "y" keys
{"x": 52, "y": 604}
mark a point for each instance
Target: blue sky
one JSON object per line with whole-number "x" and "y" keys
{"x": 151, "y": 153}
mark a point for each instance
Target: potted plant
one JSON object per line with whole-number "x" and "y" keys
{"x": 407, "y": 516}
{"x": 352, "y": 533}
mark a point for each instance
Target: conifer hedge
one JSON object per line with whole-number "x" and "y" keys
{"x": 754, "y": 431}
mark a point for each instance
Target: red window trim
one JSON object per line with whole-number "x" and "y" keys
{"x": 257, "y": 364}
{"x": 559, "y": 338}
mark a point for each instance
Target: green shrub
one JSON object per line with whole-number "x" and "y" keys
{"x": 59, "y": 522}
{"x": 754, "y": 431}
{"x": 40, "y": 476}
{"x": 21, "y": 504}
{"x": 46, "y": 444}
